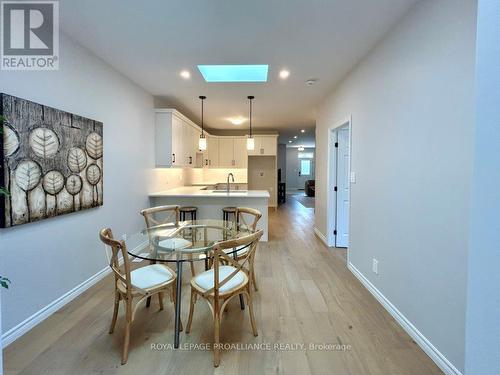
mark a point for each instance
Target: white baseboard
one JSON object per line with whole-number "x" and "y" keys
{"x": 321, "y": 236}
{"x": 440, "y": 360}
{"x": 15, "y": 332}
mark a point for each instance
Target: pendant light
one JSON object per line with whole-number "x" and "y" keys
{"x": 250, "y": 139}
{"x": 202, "y": 142}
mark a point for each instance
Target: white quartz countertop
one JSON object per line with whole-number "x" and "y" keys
{"x": 204, "y": 184}
{"x": 198, "y": 192}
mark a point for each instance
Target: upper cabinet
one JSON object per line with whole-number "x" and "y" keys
{"x": 232, "y": 152}
{"x": 265, "y": 145}
{"x": 226, "y": 157}
{"x": 176, "y": 142}
{"x": 213, "y": 152}
{"x": 240, "y": 154}
{"x": 168, "y": 128}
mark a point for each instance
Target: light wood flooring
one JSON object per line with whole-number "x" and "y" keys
{"x": 307, "y": 295}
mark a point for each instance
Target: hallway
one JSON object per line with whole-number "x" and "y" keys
{"x": 306, "y": 296}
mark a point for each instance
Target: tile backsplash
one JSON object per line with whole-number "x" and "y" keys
{"x": 169, "y": 178}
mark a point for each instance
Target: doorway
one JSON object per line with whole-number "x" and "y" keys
{"x": 300, "y": 167}
{"x": 339, "y": 178}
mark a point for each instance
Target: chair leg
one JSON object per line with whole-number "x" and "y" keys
{"x": 193, "y": 272}
{"x": 160, "y": 300}
{"x": 126, "y": 341}
{"x": 115, "y": 312}
{"x": 254, "y": 281}
{"x": 216, "y": 338}
{"x": 250, "y": 309}
{"x": 191, "y": 311}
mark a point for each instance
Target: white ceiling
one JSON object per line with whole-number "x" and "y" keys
{"x": 152, "y": 41}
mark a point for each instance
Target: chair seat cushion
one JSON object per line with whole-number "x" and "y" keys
{"x": 205, "y": 280}
{"x": 150, "y": 276}
{"x": 175, "y": 243}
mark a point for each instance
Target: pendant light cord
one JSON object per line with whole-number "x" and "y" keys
{"x": 250, "y": 98}
{"x": 202, "y": 98}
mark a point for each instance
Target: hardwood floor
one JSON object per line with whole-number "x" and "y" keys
{"x": 306, "y": 296}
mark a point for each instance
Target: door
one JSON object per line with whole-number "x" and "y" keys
{"x": 189, "y": 143}
{"x": 342, "y": 206}
{"x": 213, "y": 152}
{"x": 177, "y": 143}
{"x": 306, "y": 172}
{"x": 240, "y": 152}
{"x": 226, "y": 152}
{"x": 267, "y": 146}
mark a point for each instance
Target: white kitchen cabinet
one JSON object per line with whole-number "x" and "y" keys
{"x": 168, "y": 136}
{"x": 191, "y": 146}
{"x": 265, "y": 145}
{"x": 226, "y": 148}
{"x": 232, "y": 152}
{"x": 268, "y": 145}
{"x": 177, "y": 144}
{"x": 213, "y": 152}
{"x": 176, "y": 140}
{"x": 240, "y": 155}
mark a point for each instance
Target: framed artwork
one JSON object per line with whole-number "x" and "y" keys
{"x": 51, "y": 160}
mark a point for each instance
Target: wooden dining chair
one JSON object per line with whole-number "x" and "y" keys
{"x": 248, "y": 217}
{"x": 140, "y": 283}
{"x": 160, "y": 215}
{"x": 229, "y": 278}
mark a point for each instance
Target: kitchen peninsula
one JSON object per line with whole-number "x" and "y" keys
{"x": 210, "y": 202}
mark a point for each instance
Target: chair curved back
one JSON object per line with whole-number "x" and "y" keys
{"x": 219, "y": 255}
{"x": 117, "y": 248}
{"x": 245, "y": 213}
{"x": 169, "y": 213}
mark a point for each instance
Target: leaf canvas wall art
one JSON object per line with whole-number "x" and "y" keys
{"x": 51, "y": 162}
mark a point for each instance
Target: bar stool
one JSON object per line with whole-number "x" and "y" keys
{"x": 191, "y": 210}
{"x": 227, "y": 211}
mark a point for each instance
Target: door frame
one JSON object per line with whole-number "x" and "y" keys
{"x": 331, "y": 195}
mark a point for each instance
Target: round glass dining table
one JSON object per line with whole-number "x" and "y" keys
{"x": 188, "y": 241}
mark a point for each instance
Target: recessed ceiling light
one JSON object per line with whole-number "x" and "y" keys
{"x": 302, "y": 131}
{"x": 236, "y": 120}
{"x": 290, "y": 141}
{"x": 284, "y": 74}
{"x": 311, "y": 82}
{"x": 185, "y": 74}
{"x": 295, "y": 137}
{"x": 234, "y": 73}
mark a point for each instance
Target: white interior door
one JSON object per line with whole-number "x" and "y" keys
{"x": 342, "y": 214}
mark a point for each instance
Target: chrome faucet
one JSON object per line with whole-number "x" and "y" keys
{"x": 232, "y": 176}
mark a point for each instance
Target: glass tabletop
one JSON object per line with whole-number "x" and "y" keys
{"x": 190, "y": 240}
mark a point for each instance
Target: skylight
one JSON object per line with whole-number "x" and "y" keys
{"x": 234, "y": 73}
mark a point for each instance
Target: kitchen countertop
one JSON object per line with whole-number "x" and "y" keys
{"x": 198, "y": 192}
{"x": 216, "y": 183}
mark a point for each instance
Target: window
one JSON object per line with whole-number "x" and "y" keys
{"x": 305, "y": 167}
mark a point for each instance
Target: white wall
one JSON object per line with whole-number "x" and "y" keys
{"x": 483, "y": 312}
{"x": 411, "y": 101}
{"x": 263, "y": 175}
{"x": 46, "y": 259}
